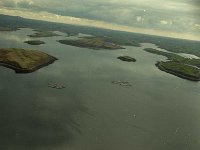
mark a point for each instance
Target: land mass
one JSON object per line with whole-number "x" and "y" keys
{"x": 177, "y": 65}
{"x": 24, "y": 61}
{"x": 92, "y": 43}
{"x": 35, "y": 42}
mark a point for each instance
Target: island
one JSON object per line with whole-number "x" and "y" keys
{"x": 24, "y": 61}
{"x": 177, "y": 65}
{"x": 34, "y": 42}
{"x": 91, "y": 43}
{"x": 127, "y": 58}
{"x": 43, "y": 34}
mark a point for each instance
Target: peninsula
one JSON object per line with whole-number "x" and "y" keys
{"x": 92, "y": 43}
{"x": 177, "y": 65}
{"x": 24, "y": 61}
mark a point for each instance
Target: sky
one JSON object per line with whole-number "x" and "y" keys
{"x": 173, "y": 18}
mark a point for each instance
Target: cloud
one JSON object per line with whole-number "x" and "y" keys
{"x": 197, "y": 26}
{"x": 180, "y": 15}
{"x": 164, "y": 22}
{"x": 139, "y": 19}
{"x": 94, "y": 23}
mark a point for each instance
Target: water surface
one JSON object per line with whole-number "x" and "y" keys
{"x": 158, "y": 112}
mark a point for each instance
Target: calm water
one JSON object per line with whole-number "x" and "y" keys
{"x": 158, "y": 112}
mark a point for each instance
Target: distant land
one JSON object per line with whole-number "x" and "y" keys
{"x": 34, "y": 42}
{"x": 118, "y": 37}
{"x": 177, "y": 65}
{"x": 24, "y": 61}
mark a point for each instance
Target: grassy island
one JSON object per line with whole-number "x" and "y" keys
{"x": 43, "y": 34}
{"x": 177, "y": 65}
{"x": 24, "y": 61}
{"x": 35, "y": 42}
{"x": 92, "y": 43}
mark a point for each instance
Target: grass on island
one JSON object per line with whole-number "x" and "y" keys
{"x": 127, "y": 58}
{"x": 92, "y": 43}
{"x": 183, "y": 67}
{"x": 23, "y": 61}
{"x": 180, "y": 68}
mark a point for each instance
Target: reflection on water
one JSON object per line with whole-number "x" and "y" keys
{"x": 31, "y": 118}
{"x": 158, "y": 112}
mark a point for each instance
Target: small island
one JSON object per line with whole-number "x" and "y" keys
{"x": 24, "y": 61}
{"x": 127, "y": 58}
{"x": 177, "y": 65}
{"x": 35, "y": 42}
{"x": 92, "y": 43}
{"x": 43, "y": 34}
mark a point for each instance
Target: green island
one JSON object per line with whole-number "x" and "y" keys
{"x": 24, "y": 61}
{"x": 127, "y": 58}
{"x": 34, "y": 42}
{"x": 92, "y": 43}
{"x": 177, "y": 65}
{"x": 43, "y": 34}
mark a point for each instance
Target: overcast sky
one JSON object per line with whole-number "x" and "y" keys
{"x": 179, "y": 18}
